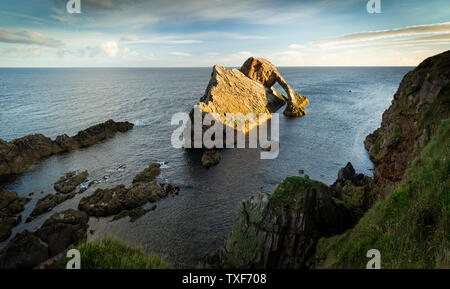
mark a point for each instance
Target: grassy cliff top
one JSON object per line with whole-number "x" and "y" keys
{"x": 411, "y": 226}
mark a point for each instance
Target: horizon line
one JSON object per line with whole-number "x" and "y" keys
{"x": 281, "y": 66}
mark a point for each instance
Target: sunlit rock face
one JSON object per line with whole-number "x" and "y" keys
{"x": 264, "y": 72}
{"x": 246, "y": 92}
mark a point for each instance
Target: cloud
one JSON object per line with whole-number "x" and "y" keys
{"x": 128, "y": 52}
{"x": 61, "y": 53}
{"x": 297, "y": 46}
{"x": 138, "y": 13}
{"x": 166, "y": 39}
{"x": 177, "y": 53}
{"x": 110, "y": 48}
{"x": 440, "y": 37}
{"x": 27, "y": 37}
{"x": 22, "y": 51}
{"x": 390, "y": 33}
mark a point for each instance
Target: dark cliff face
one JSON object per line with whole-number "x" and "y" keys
{"x": 420, "y": 103}
{"x": 281, "y": 230}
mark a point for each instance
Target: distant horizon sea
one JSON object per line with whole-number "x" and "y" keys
{"x": 346, "y": 104}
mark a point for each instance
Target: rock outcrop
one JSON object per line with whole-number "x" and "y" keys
{"x": 420, "y": 103}
{"x": 18, "y": 155}
{"x": 281, "y": 230}
{"x": 10, "y": 205}
{"x": 47, "y": 203}
{"x": 264, "y": 72}
{"x": 247, "y": 91}
{"x": 61, "y": 230}
{"x": 210, "y": 158}
{"x": 128, "y": 201}
{"x": 70, "y": 181}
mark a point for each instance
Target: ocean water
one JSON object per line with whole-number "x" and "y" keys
{"x": 186, "y": 227}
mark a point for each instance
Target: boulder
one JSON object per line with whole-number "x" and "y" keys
{"x": 10, "y": 205}
{"x": 107, "y": 202}
{"x": 69, "y": 182}
{"x": 63, "y": 229}
{"x": 50, "y": 201}
{"x": 210, "y": 158}
{"x": 148, "y": 174}
{"x": 6, "y": 225}
{"x": 18, "y": 155}
{"x": 25, "y": 251}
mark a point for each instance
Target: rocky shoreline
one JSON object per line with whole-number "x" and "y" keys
{"x": 18, "y": 155}
{"x": 68, "y": 228}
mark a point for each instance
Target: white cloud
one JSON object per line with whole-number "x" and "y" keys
{"x": 128, "y": 51}
{"x": 390, "y": 33}
{"x": 177, "y": 53}
{"x": 22, "y": 51}
{"x": 27, "y": 37}
{"x": 297, "y": 46}
{"x": 110, "y": 48}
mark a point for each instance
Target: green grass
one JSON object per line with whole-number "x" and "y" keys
{"x": 292, "y": 189}
{"x": 111, "y": 254}
{"x": 411, "y": 226}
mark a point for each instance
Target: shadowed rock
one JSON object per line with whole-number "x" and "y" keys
{"x": 50, "y": 201}
{"x": 18, "y": 155}
{"x": 210, "y": 158}
{"x": 28, "y": 250}
{"x": 10, "y": 205}
{"x": 419, "y": 105}
{"x": 281, "y": 230}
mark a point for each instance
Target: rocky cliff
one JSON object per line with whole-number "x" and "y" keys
{"x": 18, "y": 155}
{"x": 296, "y": 226}
{"x": 420, "y": 103}
{"x": 280, "y": 230}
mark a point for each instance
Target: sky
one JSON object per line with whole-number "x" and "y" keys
{"x": 201, "y": 33}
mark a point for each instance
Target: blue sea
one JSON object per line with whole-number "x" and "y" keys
{"x": 184, "y": 228}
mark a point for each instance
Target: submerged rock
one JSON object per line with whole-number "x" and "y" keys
{"x": 134, "y": 214}
{"x": 18, "y": 155}
{"x": 210, "y": 158}
{"x": 69, "y": 182}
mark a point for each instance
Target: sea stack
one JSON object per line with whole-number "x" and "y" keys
{"x": 248, "y": 90}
